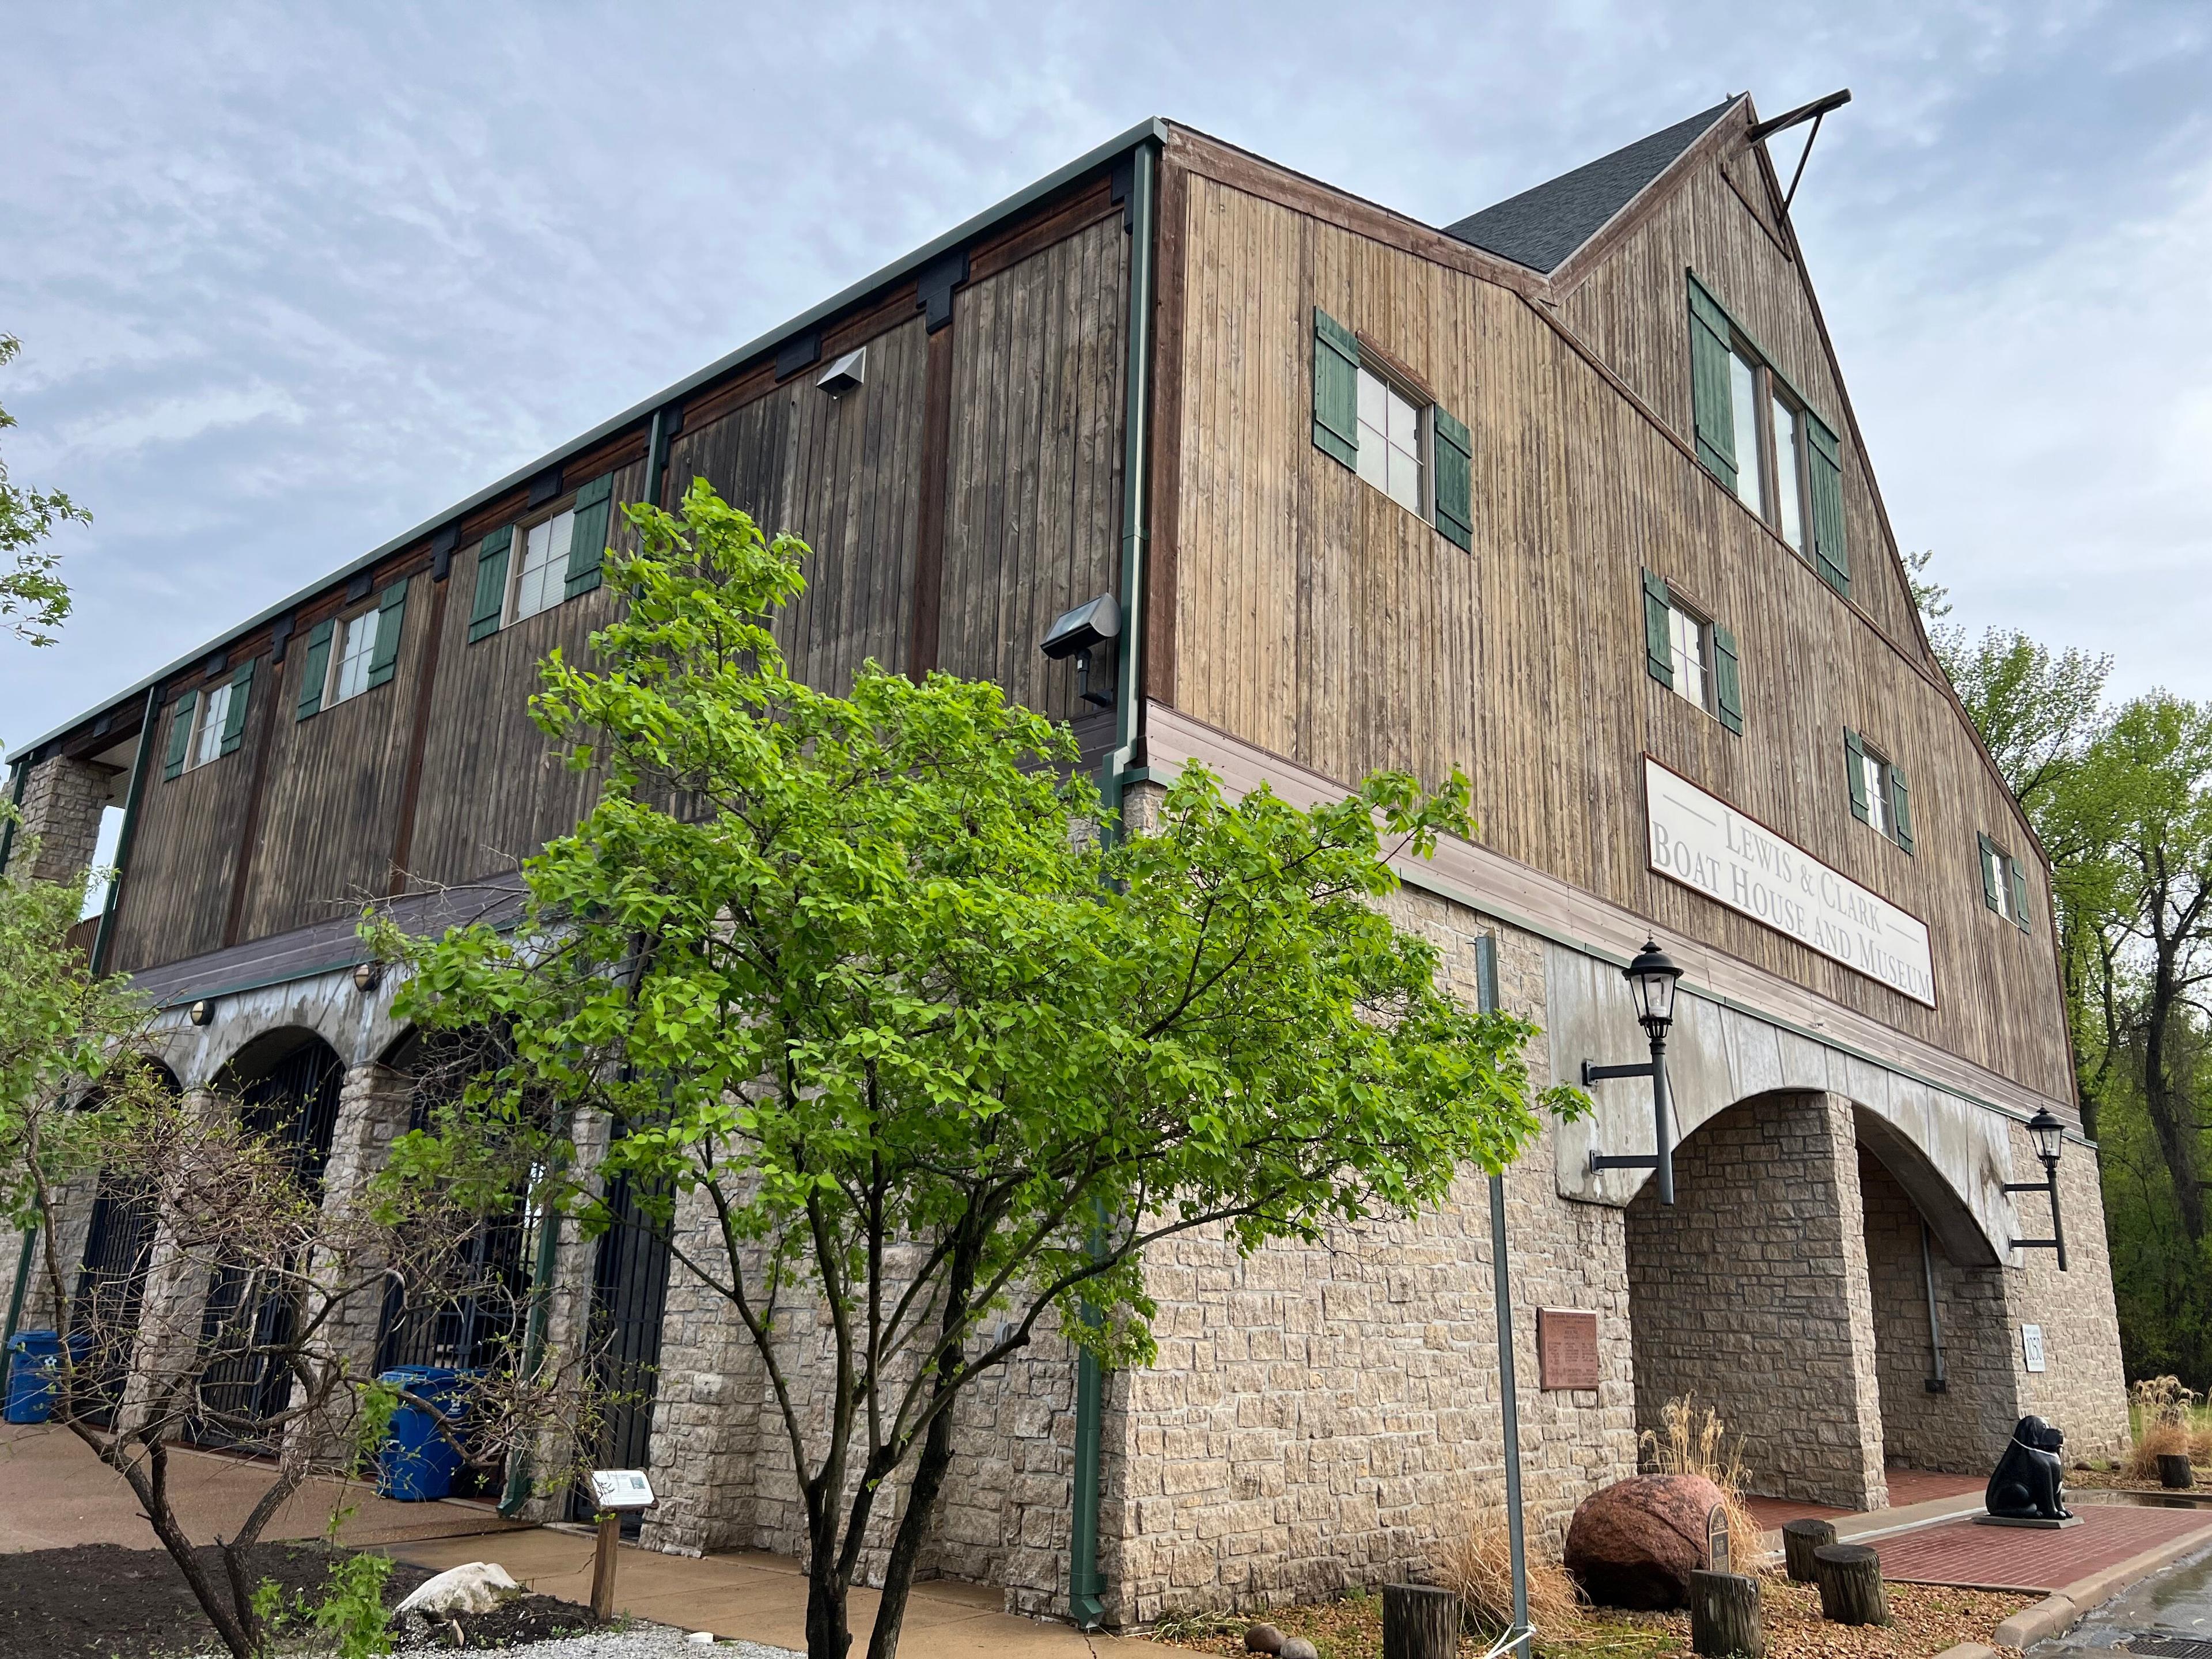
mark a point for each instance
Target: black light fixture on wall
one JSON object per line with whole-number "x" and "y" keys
{"x": 2049, "y": 1133}
{"x": 1078, "y": 634}
{"x": 1651, "y": 979}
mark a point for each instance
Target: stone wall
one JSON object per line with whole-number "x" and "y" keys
{"x": 62, "y": 803}
{"x": 1962, "y": 1429}
{"x": 1752, "y": 1294}
{"x": 2082, "y": 1389}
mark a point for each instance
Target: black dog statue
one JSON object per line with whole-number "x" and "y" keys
{"x": 2027, "y": 1485}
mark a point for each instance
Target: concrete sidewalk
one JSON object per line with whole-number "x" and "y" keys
{"x": 763, "y": 1598}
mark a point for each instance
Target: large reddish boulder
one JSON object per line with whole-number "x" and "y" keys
{"x": 1635, "y": 1544}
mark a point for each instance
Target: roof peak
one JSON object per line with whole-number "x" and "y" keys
{"x": 1540, "y": 227}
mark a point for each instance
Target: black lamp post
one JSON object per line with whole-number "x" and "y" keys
{"x": 1651, "y": 978}
{"x": 2049, "y": 1134}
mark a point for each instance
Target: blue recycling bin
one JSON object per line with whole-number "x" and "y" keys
{"x": 35, "y": 1361}
{"x": 418, "y": 1462}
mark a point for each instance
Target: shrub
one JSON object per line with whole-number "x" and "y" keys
{"x": 2162, "y": 1424}
{"x": 1695, "y": 1444}
{"x": 1475, "y": 1564}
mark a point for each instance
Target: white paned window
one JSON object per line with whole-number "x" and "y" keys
{"x": 1743, "y": 403}
{"x": 1390, "y": 442}
{"x": 1689, "y": 644}
{"x": 542, "y": 573}
{"x": 349, "y": 662}
{"x": 1875, "y": 771}
{"x": 1787, "y": 472}
{"x": 213, "y": 712}
{"x": 1997, "y": 878}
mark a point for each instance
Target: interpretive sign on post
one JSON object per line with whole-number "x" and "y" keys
{"x": 1566, "y": 1348}
{"x": 1702, "y": 841}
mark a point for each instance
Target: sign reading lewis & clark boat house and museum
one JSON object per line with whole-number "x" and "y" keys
{"x": 1702, "y": 841}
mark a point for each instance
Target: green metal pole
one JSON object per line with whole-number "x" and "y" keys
{"x": 1517, "y": 1546}
{"x": 533, "y": 1341}
{"x": 7, "y": 830}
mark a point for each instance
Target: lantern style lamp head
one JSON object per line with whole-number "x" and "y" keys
{"x": 2048, "y": 1133}
{"x": 1651, "y": 978}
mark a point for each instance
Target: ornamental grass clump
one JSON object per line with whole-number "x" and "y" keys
{"x": 2162, "y": 1425}
{"x": 1476, "y": 1565}
{"x": 1695, "y": 1443}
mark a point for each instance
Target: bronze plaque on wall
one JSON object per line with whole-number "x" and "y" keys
{"x": 1566, "y": 1348}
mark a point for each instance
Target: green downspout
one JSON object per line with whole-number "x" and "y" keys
{"x": 30, "y": 1234}
{"x": 533, "y": 1341}
{"x": 100, "y": 939}
{"x": 1086, "y": 1587}
{"x": 7, "y": 830}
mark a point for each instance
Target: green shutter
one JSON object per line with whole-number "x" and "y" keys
{"x": 315, "y": 666}
{"x": 1855, "y": 769}
{"x": 391, "y": 617}
{"x": 1336, "y": 389}
{"x": 1986, "y": 855}
{"x": 233, "y": 720}
{"x": 1712, "y": 412}
{"x": 181, "y": 734}
{"x": 1727, "y": 682}
{"x": 1455, "y": 453}
{"x": 1825, "y": 468}
{"x": 491, "y": 583}
{"x": 587, "y": 537}
{"x": 2019, "y": 892}
{"x": 1658, "y": 650}
{"x": 1900, "y": 807}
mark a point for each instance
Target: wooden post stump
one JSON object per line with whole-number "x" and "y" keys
{"x": 1724, "y": 1615}
{"x": 602, "y": 1566}
{"x": 1419, "y": 1621}
{"x": 1799, "y": 1540}
{"x": 1850, "y": 1577}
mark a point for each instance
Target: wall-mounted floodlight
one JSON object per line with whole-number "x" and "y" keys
{"x": 846, "y": 374}
{"x": 1079, "y": 634}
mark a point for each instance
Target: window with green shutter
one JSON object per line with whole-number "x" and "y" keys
{"x": 1854, "y": 773}
{"x": 1336, "y": 390}
{"x": 587, "y": 538}
{"x": 1658, "y": 654}
{"x": 1712, "y": 405}
{"x": 1825, "y": 484}
{"x": 233, "y": 717}
{"x": 391, "y": 617}
{"x": 1900, "y": 808}
{"x": 1691, "y": 654}
{"x": 1879, "y": 796}
{"x": 1728, "y": 680}
{"x": 315, "y": 668}
{"x": 490, "y": 604}
{"x": 181, "y": 734}
{"x": 2020, "y": 894}
{"x": 1993, "y": 872}
{"x": 1455, "y": 465}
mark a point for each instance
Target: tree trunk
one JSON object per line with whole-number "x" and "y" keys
{"x": 1724, "y": 1615}
{"x": 1799, "y": 1540}
{"x": 2173, "y": 1119}
{"x": 828, "y": 1634}
{"x": 1419, "y": 1621}
{"x": 1850, "y": 1584}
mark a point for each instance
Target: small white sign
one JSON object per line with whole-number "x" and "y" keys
{"x": 1702, "y": 841}
{"x": 2030, "y": 1346}
{"x": 622, "y": 1489}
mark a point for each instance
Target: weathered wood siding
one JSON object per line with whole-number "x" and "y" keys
{"x": 185, "y": 850}
{"x": 330, "y": 801}
{"x": 1033, "y": 495}
{"x": 1314, "y": 617}
{"x": 1633, "y": 308}
{"x": 494, "y": 789}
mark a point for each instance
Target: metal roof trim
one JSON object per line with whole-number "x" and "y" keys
{"x": 1153, "y": 128}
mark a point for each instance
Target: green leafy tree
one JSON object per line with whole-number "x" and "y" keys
{"x": 908, "y": 1039}
{"x": 33, "y": 599}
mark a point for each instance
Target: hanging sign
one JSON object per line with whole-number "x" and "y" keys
{"x": 1702, "y": 841}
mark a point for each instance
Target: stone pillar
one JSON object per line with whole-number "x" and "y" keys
{"x": 62, "y": 802}
{"x": 374, "y": 1103}
{"x": 167, "y": 1346}
{"x": 707, "y": 1410}
{"x": 2081, "y": 1388}
{"x": 1753, "y": 1294}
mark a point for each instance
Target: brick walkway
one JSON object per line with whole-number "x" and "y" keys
{"x": 1906, "y": 1486}
{"x": 2018, "y": 1558}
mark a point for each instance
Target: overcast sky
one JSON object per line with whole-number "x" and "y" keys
{"x": 289, "y": 283}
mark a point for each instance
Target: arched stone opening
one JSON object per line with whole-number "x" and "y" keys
{"x": 113, "y": 1264}
{"x": 1750, "y": 1294}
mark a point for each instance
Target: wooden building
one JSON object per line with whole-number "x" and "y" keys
{"x": 1568, "y": 494}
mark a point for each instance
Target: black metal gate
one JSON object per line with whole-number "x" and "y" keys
{"x": 111, "y": 1286}
{"x": 296, "y": 1105}
{"x": 629, "y": 1292}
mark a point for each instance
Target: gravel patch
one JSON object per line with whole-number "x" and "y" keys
{"x": 636, "y": 1642}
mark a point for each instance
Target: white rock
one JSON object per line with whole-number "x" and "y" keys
{"x": 476, "y": 1587}
{"x": 704, "y": 1638}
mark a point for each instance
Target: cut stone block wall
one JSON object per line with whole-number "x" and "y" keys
{"x": 2082, "y": 1389}
{"x": 1752, "y": 1294}
{"x": 1963, "y": 1429}
{"x": 62, "y": 802}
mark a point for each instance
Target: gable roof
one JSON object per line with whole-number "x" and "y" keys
{"x": 1539, "y": 228}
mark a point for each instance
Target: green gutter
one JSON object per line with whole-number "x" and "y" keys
{"x": 30, "y": 1234}
{"x": 7, "y": 830}
{"x": 1086, "y": 1586}
{"x": 100, "y": 939}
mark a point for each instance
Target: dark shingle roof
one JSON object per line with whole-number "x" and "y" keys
{"x": 1539, "y": 228}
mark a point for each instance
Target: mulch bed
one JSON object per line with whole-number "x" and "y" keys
{"x": 105, "y": 1599}
{"x": 1924, "y": 1620}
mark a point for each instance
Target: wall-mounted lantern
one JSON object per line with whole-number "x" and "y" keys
{"x": 1651, "y": 979}
{"x": 367, "y": 976}
{"x": 1079, "y": 634}
{"x": 846, "y": 374}
{"x": 2048, "y": 1133}
{"x": 201, "y": 1011}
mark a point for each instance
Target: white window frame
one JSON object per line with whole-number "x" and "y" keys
{"x": 210, "y": 711}
{"x": 343, "y": 655}
{"x": 2007, "y": 870}
{"x": 1424, "y": 452}
{"x": 1683, "y": 620}
{"x": 552, "y": 575}
{"x": 1874, "y": 775}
